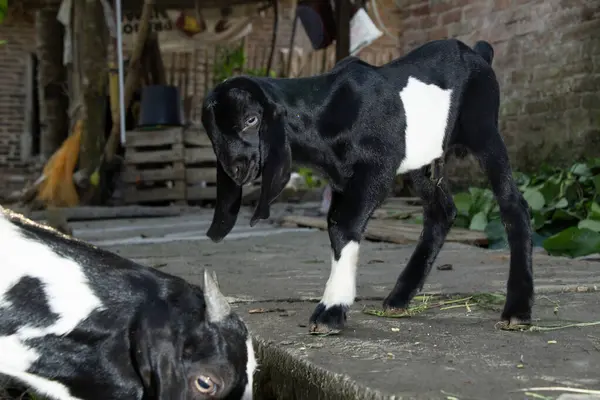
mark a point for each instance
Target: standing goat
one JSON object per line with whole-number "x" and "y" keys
{"x": 360, "y": 126}
{"x": 78, "y": 322}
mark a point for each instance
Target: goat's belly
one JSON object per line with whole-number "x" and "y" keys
{"x": 426, "y": 108}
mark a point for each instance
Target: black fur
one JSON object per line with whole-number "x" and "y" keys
{"x": 149, "y": 341}
{"x": 350, "y": 124}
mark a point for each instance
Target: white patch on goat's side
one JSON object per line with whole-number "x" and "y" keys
{"x": 427, "y": 108}
{"x": 341, "y": 285}
{"x": 250, "y": 369}
{"x": 67, "y": 292}
{"x": 16, "y": 359}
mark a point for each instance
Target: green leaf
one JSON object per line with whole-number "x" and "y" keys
{"x": 597, "y": 184}
{"x": 591, "y": 224}
{"x": 594, "y": 211}
{"x": 562, "y": 203}
{"x": 573, "y": 242}
{"x": 463, "y": 203}
{"x": 3, "y": 9}
{"x": 564, "y": 215}
{"x": 495, "y": 231}
{"x": 580, "y": 169}
{"x": 479, "y": 222}
{"x": 550, "y": 189}
{"x": 534, "y": 198}
{"x": 539, "y": 219}
{"x": 462, "y": 221}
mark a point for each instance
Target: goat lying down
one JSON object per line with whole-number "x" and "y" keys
{"x": 78, "y": 322}
{"x": 361, "y": 125}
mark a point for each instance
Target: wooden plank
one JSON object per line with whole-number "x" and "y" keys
{"x": 201, "y": 193}
{"x": 197, "y": 175}
{"x": 196, "y": 137}
{"x": 199, "y": 155}
{"x": 394, "y": 212}
{"x": 394, "y": 231}
{"x": 90, "y": 213}
{"x": 133, "y": 175}
{"x": 133, "y": 195}
{"x": 249, "y": 193}
{"x": 160, "y": 137}
{"x": 161, "y": 156}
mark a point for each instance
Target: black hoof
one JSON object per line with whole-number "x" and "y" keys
{"x": 396, "y": 301}
{"x": 513, "y": 324}
{"x": 328, "y": 321}
{"x": 517, "y": 309}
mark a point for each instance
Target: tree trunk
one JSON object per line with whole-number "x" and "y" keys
{"x": 93, "y": 50}
{"x": 51, "y": 82}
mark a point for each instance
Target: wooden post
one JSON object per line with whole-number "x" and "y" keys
{"x": 93, "y": 51}
{"x": 342, "y": 43}
{"x": 133, "y": 76}
{"x": 51, "y": 82}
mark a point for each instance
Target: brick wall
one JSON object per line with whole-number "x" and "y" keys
{"x": 20, "y": 37}
{"x": 547, "y": 58}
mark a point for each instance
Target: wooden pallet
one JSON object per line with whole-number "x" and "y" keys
{"x": 200, "y": 168}
{"x": 154, "y": 167}
{"x": 393, "y": 231}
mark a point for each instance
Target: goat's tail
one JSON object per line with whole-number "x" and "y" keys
{"x": 485, "y": 50}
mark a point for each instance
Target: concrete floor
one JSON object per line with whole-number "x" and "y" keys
{"x": 440, "y": 354}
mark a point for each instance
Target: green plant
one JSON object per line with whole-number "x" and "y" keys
{"x": 564, "y": 204}
{"x": 312, "y": 180}
{"x": 231, "y": 61}
{"x": 3, "y": 12}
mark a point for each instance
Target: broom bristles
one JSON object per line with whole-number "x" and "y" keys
{"x": 58, "y": 189}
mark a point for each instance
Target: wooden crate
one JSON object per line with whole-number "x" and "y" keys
{"x": 154, "y": 167}
{"x": 201, "y": 168}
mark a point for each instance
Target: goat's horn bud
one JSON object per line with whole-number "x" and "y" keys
{"x": 217, "y": 306}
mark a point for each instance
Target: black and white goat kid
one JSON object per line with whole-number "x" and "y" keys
{"x": 361, "y": 125}
{"x": 79, "y": 322}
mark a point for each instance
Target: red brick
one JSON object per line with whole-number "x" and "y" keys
{"x": 438, "y": 33}
{"x": 441, "y": 6}
{"x": 474, "y": 11}
{"x": 420, "y": 10}
{"x": 502, "y": 4}
{"x": 451, "y": 16}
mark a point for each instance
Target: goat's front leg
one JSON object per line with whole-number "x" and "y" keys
{"x": 439, "y": 213}
{"x": 347, "y": 219}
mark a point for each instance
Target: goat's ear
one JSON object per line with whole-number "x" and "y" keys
{"x": 227, "y": 207}
{"x": 229, "y": 194}
{"x": 157, "y": 355}
{"x": 277, "y": 156}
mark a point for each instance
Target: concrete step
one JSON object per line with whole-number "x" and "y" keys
{"x": 440, "y": 354}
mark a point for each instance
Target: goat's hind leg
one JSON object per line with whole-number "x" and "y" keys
{"x": 514, "y": 212}
{"x": 439, "y": 213}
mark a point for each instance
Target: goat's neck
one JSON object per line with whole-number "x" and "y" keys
{"x": 304, "y": 100}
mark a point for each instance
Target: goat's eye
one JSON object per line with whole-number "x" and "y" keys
{"x": 251, "y": 121}
{"x": 205, "y": 385}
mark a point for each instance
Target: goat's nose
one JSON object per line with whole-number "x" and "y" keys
{"x": 239, "y": 167}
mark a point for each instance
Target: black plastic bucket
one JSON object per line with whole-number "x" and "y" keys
{"x": 160, "y": 106}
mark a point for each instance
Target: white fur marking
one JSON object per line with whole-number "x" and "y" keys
{"x": 68, "y": 295}
{"x": 341, "y": 285}
{"x": 250, "y": 369}
{"x": 427, "y": 108}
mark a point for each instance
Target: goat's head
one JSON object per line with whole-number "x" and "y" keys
{"x": 81, "y": 322}
{"x": 215, "y": 360}
{"x": 246, "y": 127}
